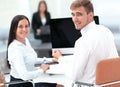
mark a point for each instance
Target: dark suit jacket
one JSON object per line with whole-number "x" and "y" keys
{"x": 36, "y": 22}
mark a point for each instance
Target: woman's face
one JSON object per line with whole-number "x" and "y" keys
{"x": 42, "y": 7}
{"x": 22, "y": 29}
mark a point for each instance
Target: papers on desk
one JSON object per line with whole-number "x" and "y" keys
{"x": 55, "y": 69}
{"x": 64, "y": 65}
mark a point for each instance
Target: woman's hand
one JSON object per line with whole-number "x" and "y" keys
{"x": 38, "y": 31}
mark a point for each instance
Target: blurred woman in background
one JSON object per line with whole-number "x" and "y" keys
{"x": 41, "y": 18}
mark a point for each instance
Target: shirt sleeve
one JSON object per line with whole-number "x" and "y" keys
{"x": 17, "y": 60}
{"x": 81, "y": 54}
{"x": 74, "y": 65}
{"x": 67, "y": 63}
{"x": 43, "y": 60}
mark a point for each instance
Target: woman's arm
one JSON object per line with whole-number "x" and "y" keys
{"x": 35, "y": 24}
{"x": 48, "y": 17}
{"x": 44, "y": 59}
{"x": 17, "y": 62}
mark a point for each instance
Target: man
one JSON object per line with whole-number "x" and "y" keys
{"x": 96, "y": 43}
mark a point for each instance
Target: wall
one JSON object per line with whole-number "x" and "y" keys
{"x": 57, "y": 8}
{"x": 10, "y": 8}
{"x": 107, "y": 10}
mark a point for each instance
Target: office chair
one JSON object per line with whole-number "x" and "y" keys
{"x": 107, "y": 74}
{"x": 96, "y": 19}
{"x": 3, "y": 83}
{"x": 58, "y": 85}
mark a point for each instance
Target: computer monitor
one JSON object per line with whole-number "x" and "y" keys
{"x": 63, "y": 34}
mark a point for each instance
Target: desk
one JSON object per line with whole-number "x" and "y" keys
{"x": 56, "y": 75}
{"x": 59, "y": 79}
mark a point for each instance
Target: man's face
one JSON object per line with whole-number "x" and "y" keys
{"x": 80, "y": 17}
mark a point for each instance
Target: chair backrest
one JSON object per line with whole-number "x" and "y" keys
{"x": 108, "y": 71}
{"x": 2, "y": 79}
{"x": 3, "y": 82}
{"x": 96, "y": 18}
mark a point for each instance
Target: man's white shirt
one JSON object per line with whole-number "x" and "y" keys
{"x": 96, "y": 43}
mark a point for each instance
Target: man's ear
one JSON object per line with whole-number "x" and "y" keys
{"x": 91, "y": 15}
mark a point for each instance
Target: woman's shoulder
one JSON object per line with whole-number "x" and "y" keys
{"x": 48, "y": 13}
{"x": 15, "y": 45}
{"x": 35, "y": 13}
{"x": 12, "y": 44}
{"x": 27, "y": 41}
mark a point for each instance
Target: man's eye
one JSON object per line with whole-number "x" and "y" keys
{"x": 73, "y": 14}
{"x": 79, "y": 14}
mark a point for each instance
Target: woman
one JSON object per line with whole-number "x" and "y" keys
{"x": 21, "y": 56}
{"x": 39, "y": 19}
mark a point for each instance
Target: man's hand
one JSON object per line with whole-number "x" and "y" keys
{"x": 45, "y": 67}
{"x": 56, "y": 54}
{"x": 55, "y": 59}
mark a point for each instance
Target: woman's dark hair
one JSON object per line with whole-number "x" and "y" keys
{"x": 13, "y": 29}
{"x": 42, "y": 2}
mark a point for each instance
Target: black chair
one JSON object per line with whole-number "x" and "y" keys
{"x": 96, "y": 18}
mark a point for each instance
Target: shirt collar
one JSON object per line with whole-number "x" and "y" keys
{"x": 18, "y": 42}
{"x": 87, "y": 27}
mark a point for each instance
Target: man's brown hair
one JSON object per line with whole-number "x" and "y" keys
{"x": 85, "y": 3}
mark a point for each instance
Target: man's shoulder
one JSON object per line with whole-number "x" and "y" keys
{"x": 102, "y": 27}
